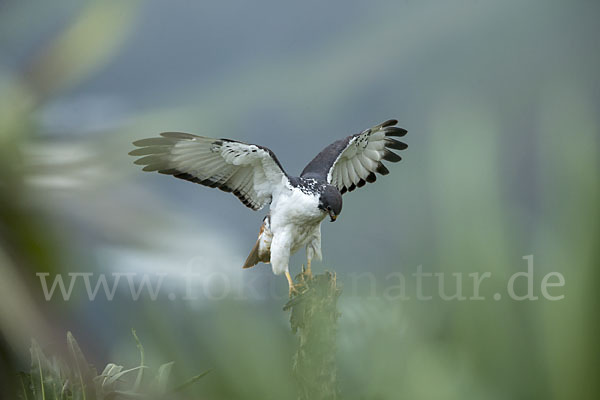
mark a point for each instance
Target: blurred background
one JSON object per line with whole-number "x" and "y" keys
{"x": 501, "y": 103}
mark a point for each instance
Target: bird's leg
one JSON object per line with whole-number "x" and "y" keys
{"x": 293, "y": 287}
{"x": 310, "y": 253}
{"x": 308, "y": 271}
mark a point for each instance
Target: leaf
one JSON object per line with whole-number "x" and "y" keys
{"x": 110, "y": 370}
{"x": 84, "y": 373}
{"x": 191, "y": 381}
{"x": 114, "y": 378}
{"x": 162, "y": 377}
{"x": 36, "y": 363}
{"x": 26, "y": 384}
{"x": 138, "y": 380}
{"x": 100, "y": 381}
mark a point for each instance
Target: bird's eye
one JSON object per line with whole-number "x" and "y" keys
{"x": 328, "y": 208}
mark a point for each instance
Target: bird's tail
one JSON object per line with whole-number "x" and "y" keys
{"x": 255, "y": 256}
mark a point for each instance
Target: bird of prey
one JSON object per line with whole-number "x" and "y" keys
{"x": 298, "y": 204}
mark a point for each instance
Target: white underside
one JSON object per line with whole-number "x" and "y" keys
{"x": 295, "y": 223}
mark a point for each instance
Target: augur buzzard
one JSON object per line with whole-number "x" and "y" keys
{"x": 254, "y": 174}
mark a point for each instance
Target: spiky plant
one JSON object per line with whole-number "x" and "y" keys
{"x": 314, "y": 318}
{"x": 53, "y": 378}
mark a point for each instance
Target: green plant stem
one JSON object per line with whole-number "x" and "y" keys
{"x": 314, "y": 318}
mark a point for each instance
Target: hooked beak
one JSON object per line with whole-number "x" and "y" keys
{"x": 332, "y": 215}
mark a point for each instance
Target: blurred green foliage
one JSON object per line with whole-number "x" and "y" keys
{"x": 75, "y": 378}
{"x": 313, "y": 317}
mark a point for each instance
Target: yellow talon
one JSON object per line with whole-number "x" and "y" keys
{"x": 293, "y": 287}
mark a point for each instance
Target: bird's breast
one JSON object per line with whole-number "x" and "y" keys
{"x": 295, "y": 216}
{"x": 295, "y": 207}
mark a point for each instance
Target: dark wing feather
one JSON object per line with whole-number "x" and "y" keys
{"x": 351, "y": 162}
{"x": 249, "y": 171}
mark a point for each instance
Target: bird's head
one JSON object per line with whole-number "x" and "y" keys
{"x": 330, "y": 201}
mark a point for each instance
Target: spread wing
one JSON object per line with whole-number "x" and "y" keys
{"x": 351, "y": 162}
{"x": 250, "y": 171}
